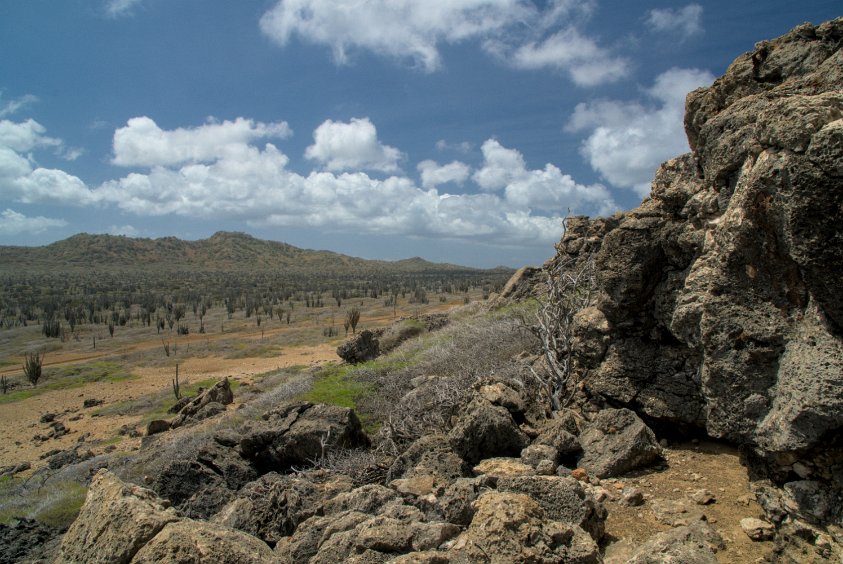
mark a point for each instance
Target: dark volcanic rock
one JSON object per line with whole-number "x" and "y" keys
{"x": 299, "y": 433}
{"x": 201, "y": 482}
{"x": 360, "y": 348}
{"x": 24, "y": 539}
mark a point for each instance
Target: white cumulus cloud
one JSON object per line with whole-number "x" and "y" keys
{"x": 627, "y": 140}
{"x": 500, "y": 166}
{"x": 522, "y": 33}
{"x": 143, "y": 143}
{"x": 433, "y": 174}
{"x": 22, "y": 180}
{"x": 119, "y": 8}
{"x": 685, "y": 21}
{"x": 241, "y": 181}
{"x": 13, "y": 106}
{"x": 547, "y": 189}
{"x": 127, "y": 230}
{"x": 585, "y": 61}
{"x": 402, "y": 29}
{"x": 25, "y": 136}
{"x": 353, "y": 145}
{"x": 15, "y": 223}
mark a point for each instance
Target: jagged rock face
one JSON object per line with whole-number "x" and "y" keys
{"x": 719, "y": 297}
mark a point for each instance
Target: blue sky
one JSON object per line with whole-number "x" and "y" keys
{"x": 455, "y": 130}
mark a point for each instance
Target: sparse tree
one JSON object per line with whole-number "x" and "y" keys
{"x": 352, "y": 317}
{"x": 571, "y": 285}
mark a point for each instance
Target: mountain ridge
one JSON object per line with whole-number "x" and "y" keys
{"x": 224, "y": 250}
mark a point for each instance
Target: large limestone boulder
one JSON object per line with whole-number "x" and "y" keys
{"x": 512, "y": 527}
{"x": 115, "y": 522}
{"x": 562, "y": 499}
{"x": 196, "y": 542}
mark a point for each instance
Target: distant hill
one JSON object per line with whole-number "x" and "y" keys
{"x": 223, "y": 251}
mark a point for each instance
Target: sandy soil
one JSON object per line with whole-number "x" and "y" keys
{"x": 690, "y": 467}
{"x": 19, "y": 421}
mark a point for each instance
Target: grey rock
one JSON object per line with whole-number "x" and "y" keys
{"x": 157, "y": 426}
{"x": 504, "y": 396}
{"x": 455, "y": 504}
{"x": 368, "y": 499}
{"x": 485, "y": 431}
{"x": 535, "y": 453}
{"x": 429, "y": 455}
{"x": 353, "y": 536}
{"x": 718, "y": 298}
{"x": 202, "y": 479}
{"x": 67, "y": 457}
{"x": 616, "y": 441}
{"x": 676, "y": 512}
{"x": 219, "y": 394}
{"x": 273, "y": 506}
{"x": 810, "y": 500}
{"x": 13, "y": 469}
{"x": 632, "y": 497}
{"x": 25, "y": 540}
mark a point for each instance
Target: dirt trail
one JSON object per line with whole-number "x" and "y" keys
{"x": 65, "y": 358}
{"x": 19, "y": 421}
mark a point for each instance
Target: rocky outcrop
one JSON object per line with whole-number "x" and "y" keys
{"x": 300, "y": 433}
{"x": 719, "y": 297}
{"x": 202, "y": 479}
{"x": 362, "y": 347}
{"x": 207, "y": 404}
{"x": 273, "y": 506}
{"x": 25, "y": 540}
